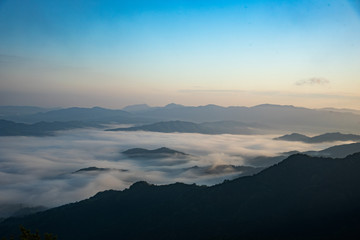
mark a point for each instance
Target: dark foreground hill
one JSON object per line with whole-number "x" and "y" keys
{"x": 300, "y": 198}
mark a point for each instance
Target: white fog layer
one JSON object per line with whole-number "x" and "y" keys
{"x": 41, "y": 170}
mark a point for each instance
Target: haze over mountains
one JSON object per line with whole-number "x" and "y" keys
{"x": 95, "y": 114}
{"x": 261, "y": 117}
{"x": 222, "y": 127}
{"x": 276, "y": 116}
{"x": 68, "y": 155}
{"x": 347, "y": 110}
{"x": 9, "y": 128}
{"x": 327, "y": 137}
{"x": 337, "y": 151}
{"x": 6, "y": 111}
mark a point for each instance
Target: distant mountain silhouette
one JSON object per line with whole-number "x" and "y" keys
{"x": 342, "y": 110}
{"x": 8, "y": 111}
{"x": 162, "y": 152}
{"x": 96, "y": 169}
{"x": 338, "y": 151}
{"x": 137, "y": 108}
{"x": 327, "y": 137}
{"x": 293, "y": 137}
{"x": 173, "y": 106}
{"x": 275, "y": 116}
{"x": 91, "y": 169}
{"x": 140, "y": 108}
{"x": 278, "y": 117}
{"x": 300, "y": 198}
{"x": 95, "y": 114}
{"x": 223, "y": 127}
{"x": 9, "y": 128}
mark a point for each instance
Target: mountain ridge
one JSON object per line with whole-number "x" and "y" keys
{"x": 326, "y": 137}
{"x": 10, "y": 128}
{"x": 302, "y": 197}
{"x": 222, "y": 127}
{"x": 285, "y": 117}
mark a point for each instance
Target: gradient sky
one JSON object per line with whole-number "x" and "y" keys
{"x": 115, "y": 53}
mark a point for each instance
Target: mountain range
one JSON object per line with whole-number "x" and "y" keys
{"x": 222, "y": 127}
{"x": 6, "y": 111}
{"x": 10, "y": 128}
{"x": 95, "y": 114}
{"x": 327, "y": 137}
{"x": 338, "y": 151}
{"x": 302, "y": 197}
{"x": 275, "y": 116}
{"x": 280, "y": 117}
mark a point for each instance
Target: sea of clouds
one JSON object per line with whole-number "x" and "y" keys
{"x": 39, "y": 171}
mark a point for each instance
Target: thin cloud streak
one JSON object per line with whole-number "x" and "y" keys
{"x": 315, "y": 81}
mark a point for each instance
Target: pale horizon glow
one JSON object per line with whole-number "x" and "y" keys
{"x": 113, "y": 54}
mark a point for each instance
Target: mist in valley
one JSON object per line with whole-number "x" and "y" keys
{"x": 44, "y": 171}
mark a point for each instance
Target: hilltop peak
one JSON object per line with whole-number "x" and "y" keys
{"x": 140, "y": 185}
{"x": 137, "y": 108}
{"x": 174, "y": 105}
{"x": 159, "y": 152}
{"x": 274, "y": 105}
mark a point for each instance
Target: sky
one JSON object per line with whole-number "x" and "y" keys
{"x": 109, "y": 53}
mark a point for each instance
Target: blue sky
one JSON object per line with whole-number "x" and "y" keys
{"x": 115, "y": 53}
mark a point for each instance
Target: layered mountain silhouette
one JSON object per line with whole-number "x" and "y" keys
{"x": 162, "y": 152}
{"x": 338, "y": 151}
{"x": 327, "y": 137}
{"x": 281, "y": 117}
{"x": 137, "y": 108}
{"x": 146, "y": 108}
{"x": 9, "y": 128}
{"x": 223, "y": 127}
{"x": 6, "y": 111}
{"x": 346, "y": 110}
{"x": 276, "y": 116}
{"x": 302, "y": 197}
{"x": 95, "y": 114}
